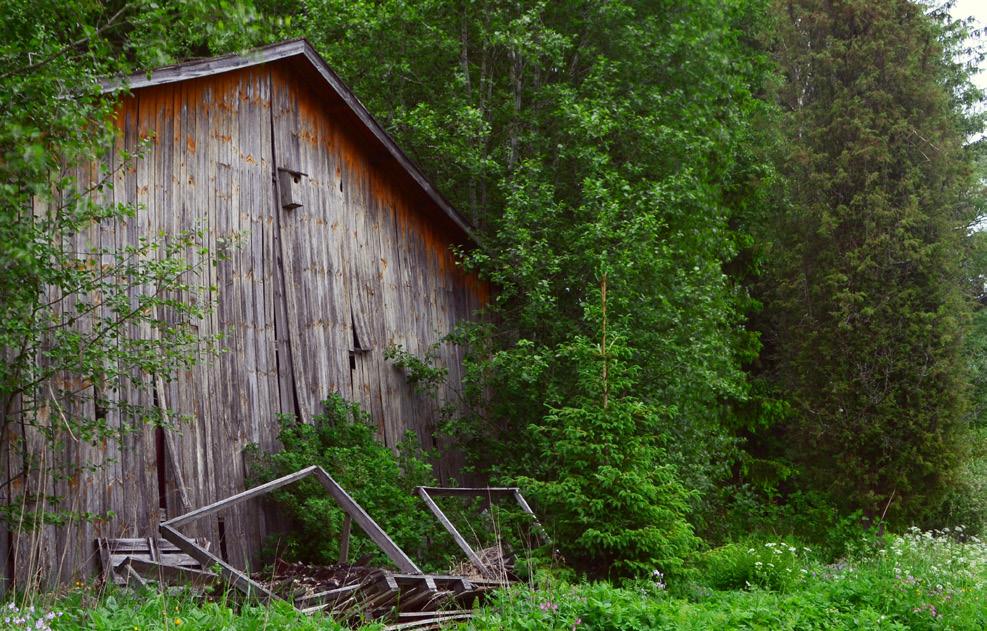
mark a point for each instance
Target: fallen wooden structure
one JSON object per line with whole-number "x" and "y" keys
{"x": 408, "y": 598}
{"x": 491, "y": 566}
{"x": 354, "y": 513}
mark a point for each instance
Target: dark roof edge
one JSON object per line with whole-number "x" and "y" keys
{"x": 283, "y": 50}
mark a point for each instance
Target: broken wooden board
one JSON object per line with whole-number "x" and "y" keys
{"x": 165, "y": 574}
{"x": 408, "y": 598}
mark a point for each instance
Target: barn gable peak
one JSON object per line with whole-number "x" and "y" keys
{"x": 298, "y": 51}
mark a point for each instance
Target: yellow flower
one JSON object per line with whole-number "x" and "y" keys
{"x": 178, "y": 621}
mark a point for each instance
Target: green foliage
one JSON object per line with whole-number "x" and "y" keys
{"x": 641, "y": 143}
{"x": 866, "y": 296}
{"x": 152, "y": 610}
{"x": 421, "y": 373}
{"x": 916, "y": 581}
{"x": 342, "y": 441}
{"x": 576, "y": 133}
{"x": 922, "y": 580}
{"x": 612, "y": 504}
{"x": 751, "y": 563}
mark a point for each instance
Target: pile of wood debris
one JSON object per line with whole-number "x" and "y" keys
{"x": 355, "y": 593}
{"x": 408, "y": 598}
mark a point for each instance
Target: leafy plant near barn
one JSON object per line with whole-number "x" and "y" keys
{"x": 341, "y": 440}
{"x": 616, "y": 507}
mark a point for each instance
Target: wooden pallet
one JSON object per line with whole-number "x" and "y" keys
{"x": 126, "y": 561}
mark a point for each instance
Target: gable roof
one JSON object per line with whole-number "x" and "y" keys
{"x": 301, "y": 50}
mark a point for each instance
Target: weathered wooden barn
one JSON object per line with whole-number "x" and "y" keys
{"x": 345, "y": 252}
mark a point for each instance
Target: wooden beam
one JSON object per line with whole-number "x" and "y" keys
{"x": 240, "y": 580}
{"x": 542, "y": 533}
{"x": 470, "y": 491}
{"x": 489, "y": 492}
{"x": 436, "y": 618}
{"x": 366, "y": 524}
{"x": 327, "y": 597}
{"x": 458, "y": 538}
{"x": 162, "y": 573}
{"x": 237, "y": 578}
{"x": 215, "y": 507}
{"x": 176, "y": 467}
{"x": 133, "y": 577}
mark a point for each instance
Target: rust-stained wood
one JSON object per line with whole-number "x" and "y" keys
{"x": 289, "y": 51}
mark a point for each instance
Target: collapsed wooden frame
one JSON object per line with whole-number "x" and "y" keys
{"x": 489, "y": 493}
{"x": 354, "y": 513}
{"x": 416, "y": 600}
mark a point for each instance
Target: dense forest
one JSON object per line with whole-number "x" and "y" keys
{"x": 737, "y": 249}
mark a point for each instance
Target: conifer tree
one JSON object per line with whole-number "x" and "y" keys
{"x": 865, "y": 301}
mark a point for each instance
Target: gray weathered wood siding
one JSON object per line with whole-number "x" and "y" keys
{"x": 365, "y": 258}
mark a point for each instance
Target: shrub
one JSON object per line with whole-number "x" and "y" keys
{"x": 614, "y": 507}
{"x": 342, "y": 442}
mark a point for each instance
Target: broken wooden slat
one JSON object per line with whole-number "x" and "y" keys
{"x": 368, "y": 525}
{"x": 428, "y": 623}
{"x": 420, "y": 591}
{"x": 132, "y": 578}
{"x": 421, "y": 615}
{"x": 114, "y": 553}
{"x": 507, "y": 491}
{"x": 239, "y": 580}
{"x": 327, "y": 597}
{"x": 527, "y": 509}
{"x": 170, "y": 445}
{"x": 104, "y": 557}
{"x": 347, "y": 503}
{"x": 425, "y": 492}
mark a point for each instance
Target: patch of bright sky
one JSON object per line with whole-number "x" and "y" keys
{"x": 977, "y": 9}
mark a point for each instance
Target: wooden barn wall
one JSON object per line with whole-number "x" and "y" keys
{"x": 364, "y": 259}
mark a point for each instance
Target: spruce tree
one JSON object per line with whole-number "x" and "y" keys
{"x": 865, "y": 300}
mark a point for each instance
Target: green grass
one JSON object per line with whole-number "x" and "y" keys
{"x": 914, "y": 581}
{"x": 918, "y": 580}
